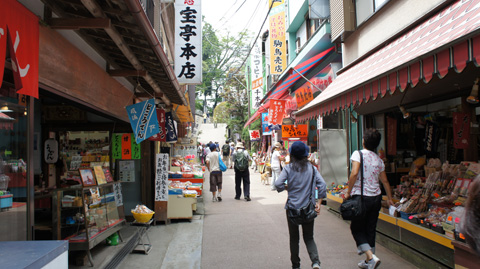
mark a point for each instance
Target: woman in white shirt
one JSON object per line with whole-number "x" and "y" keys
{"x": 275, "y": 163}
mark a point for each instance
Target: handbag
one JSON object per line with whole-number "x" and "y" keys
{"x": 353, "y": 208}
{"x": 305, "y": 214}
{"x": 223, "y": 167}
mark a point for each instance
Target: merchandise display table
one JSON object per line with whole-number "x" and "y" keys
{"x": 34, "y": 254}
{"x": 180, "y": 207}
{"x": 143, "y": 240}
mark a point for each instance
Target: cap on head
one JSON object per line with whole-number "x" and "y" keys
{"x": 239, "y": 145}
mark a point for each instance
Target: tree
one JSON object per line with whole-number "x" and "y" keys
{"x": 220, "y": 54}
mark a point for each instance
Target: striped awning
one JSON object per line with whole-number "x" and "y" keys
{"x": 447, "y": 41}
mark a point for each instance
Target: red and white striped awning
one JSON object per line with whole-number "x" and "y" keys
{"x": 448, "y": 40}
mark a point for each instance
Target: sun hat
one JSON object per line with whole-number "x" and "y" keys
{"x": 299, "y": 149}
{"x": 278, "y": 145}
{"x": 239, "y": 145}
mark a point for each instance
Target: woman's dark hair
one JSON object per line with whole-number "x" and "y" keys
{"x": 299, "y": 164}
{"x": 371, "y": 139}
{"x": 471, "y": 221}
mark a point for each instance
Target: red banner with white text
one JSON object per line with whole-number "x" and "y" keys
{"x": 276, "y": 111}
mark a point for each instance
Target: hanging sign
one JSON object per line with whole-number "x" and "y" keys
{"x": 256, "y": 64}
{"x": 265, "y": 129}
{"x": 254, "y": 135}
{"x": 188, "y": 41}
{"x": 171, "y": 130}
{"x": 276, "y": 111}
{"x": 162, "y": 135}
{"x": 19, "y": 32}
{"x": 303, "y": 95}
{"x": 461, "y": 130}
{"x": 124, "y": 147}
{"x": 278, "y": 46}
{"x": 431, "y": 138}
{"x": 117, "y": 190}
{"x": 290, "y": 131}
{"x": 391, "y": 136}
{"x": 161, "y": 177}
{"x": 51, "y": 151}
{"x": 143, "y": 118}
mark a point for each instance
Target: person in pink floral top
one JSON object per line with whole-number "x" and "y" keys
{"x": 364, "y": 229}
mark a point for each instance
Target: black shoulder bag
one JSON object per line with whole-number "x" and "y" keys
{"x": 307, "y": 213}
{"x": 353, "y": 208}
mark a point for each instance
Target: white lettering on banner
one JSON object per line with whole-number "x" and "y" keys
{"x": 161, "y": 177}
{"x": 188, "y": 41}
{"x": 256, "y": 63}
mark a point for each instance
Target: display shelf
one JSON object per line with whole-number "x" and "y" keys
{"x": 193, "y": 180}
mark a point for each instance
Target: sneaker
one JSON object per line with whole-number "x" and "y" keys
{"x": 248, "y": 198}
{"x": 374, "y": 262}
{"x": 363, "y": 264}
{"x": 316, "y": 266}
{"x": 219, "y": 197}
{"x": 214, "y": 199}
{"x": 237, "y": 198}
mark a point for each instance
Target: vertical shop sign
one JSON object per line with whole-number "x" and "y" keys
{"x": 19, "y": 33}
{"x": 171, "y": 130}
{"x": 51, "y": 150}
{"x": 391, "y": 136}
{"x": 430, "y": 138}
{"x": 126, "y": 147}
{"x": 143, "y": 118}
{"x": 265, "y": 129}
{"x": 135, "y": 150}
{"x": 276, "y": 111}
{"x": 188, "y": 41}
{"x": 162, "y": 135}
{"x": 254, "y": 135}
{"x": 161, "y": 177}
{"x": 116, "y": 146}
{"x": 461, "y": 130}
{"x": 278, "y": 46}
{"x": 256, "y": 73}
{"x": 117, "y": 190}
{"x": 303, "y": 95}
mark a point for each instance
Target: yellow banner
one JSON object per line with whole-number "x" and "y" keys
{"x": 276, "y": 3}
{"x": 278, "y": 46}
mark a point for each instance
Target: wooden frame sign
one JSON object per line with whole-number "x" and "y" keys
{"x": 88, "y": 179}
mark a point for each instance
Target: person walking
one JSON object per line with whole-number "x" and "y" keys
{"x": 213, "y": 166}
{"x": 364, "y": 229}
{"x": 200, "y": 153}
{"x": 226, "y": 153}
{"x": 299, "y": 175}
{"x": 207, "y": 151}
{"x": 204, "y": 117}
{"x": 232, "y": 150}
{"x": 241, "y": 158}
{"x": 275, "y": 163}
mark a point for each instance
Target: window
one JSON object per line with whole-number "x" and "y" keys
{"x": 365, "y": 8}
{"x": 298, "y": 44}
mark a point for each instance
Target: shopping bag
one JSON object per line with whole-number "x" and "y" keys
{"x": 223, "y": 167}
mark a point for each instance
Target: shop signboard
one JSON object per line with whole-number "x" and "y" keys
{"x": 256, "y": 73}
{"x": 117, "y": 190}
{"x": 278, "y": 45}
{"x": 265, "y": 129}
{"x": 254, "y": 135}
{"x": 51, "y": 150}
{"x": 276, "y": 111}
{"x": 171, "y": 129}
{"x": 162, "y": 135}
{"x": 19, "y": 32}
{"x": 461, "y": 130}
{"x": 143, "y": 119}
{"x": 188, "y": 41}
{"x": 391, "y": 136}
{"x": 161, "y": 177}
{"x": 292, "y": 131}
{"x": 124, "y": 147}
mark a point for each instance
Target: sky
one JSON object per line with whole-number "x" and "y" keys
{"x": 235, "y": 15}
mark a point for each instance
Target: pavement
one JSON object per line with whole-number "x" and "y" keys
{"x": 240, "y": 234}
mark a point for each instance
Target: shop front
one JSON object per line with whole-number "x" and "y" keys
{"x": 422, "y": 95}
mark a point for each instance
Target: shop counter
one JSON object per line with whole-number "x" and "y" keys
{"x": 34, "y": 254}
{"x": 465, "y": 257}
{"x": 180, "y": 207}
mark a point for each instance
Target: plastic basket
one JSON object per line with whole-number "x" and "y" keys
{"x": 142, "y": 217}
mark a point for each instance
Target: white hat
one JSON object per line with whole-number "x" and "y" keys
{"x": 278, "y": 145}
{"x": 239, "y": 145}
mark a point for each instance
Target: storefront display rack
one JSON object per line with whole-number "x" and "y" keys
{"x": 86, "y": 216}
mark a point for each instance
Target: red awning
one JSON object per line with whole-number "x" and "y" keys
{"x": 432, "y": 48}
{"x": 258, "y": 113}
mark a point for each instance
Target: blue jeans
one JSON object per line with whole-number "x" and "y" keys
{"x": 294, "y": 232}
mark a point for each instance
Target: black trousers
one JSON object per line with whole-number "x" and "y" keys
{"x": 239, "y": 177}
{"x": 294, "y": 233}
{"x": 364, "y": 229}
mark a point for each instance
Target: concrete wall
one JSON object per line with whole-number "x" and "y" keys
{"x": 388, "y": 21}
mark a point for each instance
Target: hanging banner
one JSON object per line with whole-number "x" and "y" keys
{"x": 162, "y": 135}
{"x": 143, "y": 118}
{"x": 391, "y": 136}
{"x": 431, "y": 138}
{"x": 276, "y": 111}
{"x": 116, "y": 146}
{"x": 254, "y": 135}
{"x": 161, "y": 177}
{"x": 19, "y": 33}
{"x": 290, "y": 131}
{"x": 124, "y": 147}
{"x": 117, "y": 190}
{"x": 303, "y": 95}
{"x": 278, "y": 46}
{"x": 461, "y": 130}
{"x": 265, "y": 129}
{"x": 188, "y": 41}
{"x": 256, "y": 73}
{"x": 171, "y": 129}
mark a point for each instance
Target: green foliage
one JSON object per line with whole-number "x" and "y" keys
{"x": 221, "y": 114}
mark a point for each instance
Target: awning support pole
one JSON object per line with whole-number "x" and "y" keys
{"x": 306, "y": 79}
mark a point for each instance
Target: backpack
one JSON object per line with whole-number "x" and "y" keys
{"x": 226, "y": 149}
{"x": 241, "y": 161}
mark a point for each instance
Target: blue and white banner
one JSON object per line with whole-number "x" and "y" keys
{"x": 171, "y": 130}
{"x": 265, "y": 129}
{"x": 143, "y": 118}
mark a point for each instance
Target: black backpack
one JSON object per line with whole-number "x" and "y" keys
{"x": 226, "y": 150}
{"x": 241, "y": 161}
